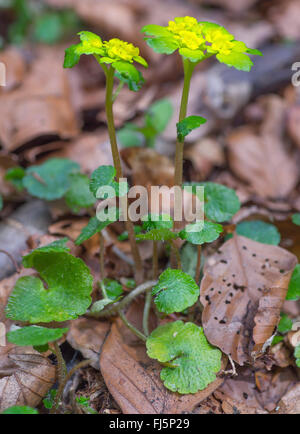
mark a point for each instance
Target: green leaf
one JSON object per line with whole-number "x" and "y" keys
{"x": 254, "y": 51}
{"x": 188, "y": 254}
{"x": 162, "y": 234}
{"x": 50, "y": 180}
{"x": 129, "y": 136}
{"x": 155, "y": 30}
{"x": 71, "y": 56}
{"x": 187, "y": 125}
{"x": 277, "y": 339}
{"x": 294, "y": 286}
{"x": 201, "y": 232}
{"x": 93, "y": 227}
{"x": 49, "y": 400}
{"x": 48, "y": 28}
{"x": 221, "y": 203}
{"x": 41, "y": 348}
{"x": 20, "y": 409}
{"x": 15, "y": 175}
{"x": 159, "y": 115}
{"x": 260, "y": 231}
{"x": 285, "y": 324}
{"x": 124, "y": 235}
{"x": 101, "y": 304}
{"x": 55, "y": 246}
{"x": 175, "y": 291}
{"x": 113, "y": 288}
{"x": 79, "y": 194}
{"x": 128, "y": 74}
{"x": 297, "y": 355}
{"x": 238, "y": 60}
{"x": 69, "y": 285}
{"x": 157, "y": 221}
{"x": 192, "y": 361}
{"x": 193, "y": 55}
{"x": 34, "y": 336}
{"x": 162, "y": 45}
{"x": 103, "y": 176}
{"x": 296, "y": 219}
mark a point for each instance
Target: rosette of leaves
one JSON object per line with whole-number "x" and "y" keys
{"x": 68, "y": 292}
{"x": 191, "y": 363}
{"x": 197, "y": 41}
{"x": 118, "y": 54}
{"x": 175, "y": 291}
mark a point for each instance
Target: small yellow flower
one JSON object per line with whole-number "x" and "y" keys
{"x": 187, "y": 32}
{"x": 121, "y": 50}
{"x": 190, "y": 40}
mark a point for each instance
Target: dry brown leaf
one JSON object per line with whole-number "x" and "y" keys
{"x": 260, "y": 158}
{"x": 231, "y": 5}
{"x": 204, "y": 155}
{"x": 148, "y": 167}
{"x": 88, "y": 336}
{"x": 133, "y": 379}
{"x": 290, "y": 402}
{"x": 15, "y": 68}
{"x": 89, "y": 150}
{"x": 26, "y": 376}
{"x": 238, "y": 395}
{"x": 243, "y": 290}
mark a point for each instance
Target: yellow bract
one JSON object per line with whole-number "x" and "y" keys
{"x": 121, "y": 50}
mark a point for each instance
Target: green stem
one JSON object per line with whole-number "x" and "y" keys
{"x": 116, "y": 307}
{"x": 148, "y": 297}
{"x": 188, "y": 71}
{"x": 119, "y": 174}
{"x": 61, "y": 364}
{"x": 101, "y": 255}
{"x": 131, "y": 327}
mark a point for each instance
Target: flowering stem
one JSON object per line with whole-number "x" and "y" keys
{"x": 117, "y": 163}
{"x": 188, "y": 71}
{"x": 101, "y": 255}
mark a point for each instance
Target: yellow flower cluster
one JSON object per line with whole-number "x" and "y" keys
{"x": 187, "y": 32}
{"x": 120, "y": 50}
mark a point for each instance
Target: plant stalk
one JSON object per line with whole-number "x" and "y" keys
{"x": 101, "y": 255}
{"x": 198, "y": 266}
{"x": 131, "y": 327}
{"x": 119, "y": 174}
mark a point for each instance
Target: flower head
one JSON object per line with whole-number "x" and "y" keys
{"x": 197, "y": 41}
{"x": 121, "y": 50}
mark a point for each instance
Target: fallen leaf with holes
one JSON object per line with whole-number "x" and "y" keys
{"x": 26, "y": 376}
{"x": 242, "y": 291}
{"x": 260, "y": 157}
{"x": 133, "y": 379}
{"x": 88, "y": 336}
{"x": 290, "y": 402}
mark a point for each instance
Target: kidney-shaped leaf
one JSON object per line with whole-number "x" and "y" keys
{"x": 221, "y": 203}
{"x": 162, "y": 234}
{"x": 192, "y": 361}
{"x": 260, "y": 231}
{"x": 175, "y": 291}
{"x": 34, "y": 336}
{"x": 50, "y": 180}
{"x": 68, "y": 294}
{"x": 94, "y": 226}
{"x": 201, "y": 232}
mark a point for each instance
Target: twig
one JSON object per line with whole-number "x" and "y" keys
{"x": 116, "y": 307}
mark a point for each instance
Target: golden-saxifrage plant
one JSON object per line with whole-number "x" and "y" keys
{"x": 189, "y": 362}
{"x": 116, "y": 58}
